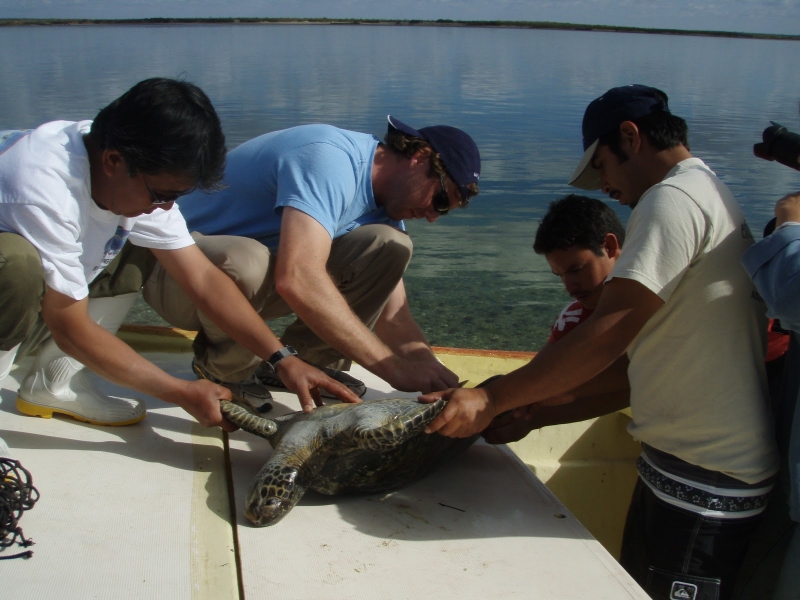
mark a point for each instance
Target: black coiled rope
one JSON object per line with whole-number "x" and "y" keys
{"x": 17, "y": 495}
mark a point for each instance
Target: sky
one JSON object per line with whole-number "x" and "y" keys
{"x": 753, "y": 16}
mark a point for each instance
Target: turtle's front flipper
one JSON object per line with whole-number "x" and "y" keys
{"x": 383, "y": 431}
{"x": 248, "y": 421}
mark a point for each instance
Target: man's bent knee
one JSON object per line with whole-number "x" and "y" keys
{"x": 22, "y": 286}
{"x": 126, "y": 274}
{"x": 384, "y": 236}
{"x": 371, "y": 247}
{"x": 247, "y": 262}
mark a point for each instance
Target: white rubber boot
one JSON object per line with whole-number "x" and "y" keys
{"x": 7, "y": 361}
{"x": 58, "y": 383}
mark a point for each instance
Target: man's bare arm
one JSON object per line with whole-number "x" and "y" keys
{"x": 624, "y": 308}
{"x": 787, "y": 209}
{"x": 614, "y": 379}
{"x": 302, "y": 280}
{"x": 80, "y": 337}
{"x": 607, "y": 392}
{"x": 216, "y": 295}
{"x": 397, "y": 328}
{"x": 512, "y": 428}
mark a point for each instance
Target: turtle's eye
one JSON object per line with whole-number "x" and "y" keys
{"x": 269, "y": 508}
{"x": 265, "y": 512}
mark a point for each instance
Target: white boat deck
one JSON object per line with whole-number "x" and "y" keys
{"x": 145, "y": 512}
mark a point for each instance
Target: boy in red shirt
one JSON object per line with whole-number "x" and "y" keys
{"x": 581, "y": 239}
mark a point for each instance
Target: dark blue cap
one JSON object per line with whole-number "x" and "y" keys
{"x": 458, "y": 151}
{"x": 607, "y": 113}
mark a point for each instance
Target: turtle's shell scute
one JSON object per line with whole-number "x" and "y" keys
{"x": 357, "y": 471}
{"x": 376, "y": 446}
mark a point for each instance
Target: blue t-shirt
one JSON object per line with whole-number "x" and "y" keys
{"x": 321, "y": 170}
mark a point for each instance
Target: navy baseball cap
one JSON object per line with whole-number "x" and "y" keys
{"x": 458, "y": 151}
{"x": 607, "y": 113}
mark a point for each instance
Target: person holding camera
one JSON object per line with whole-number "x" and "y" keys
{"x": 774, "y": 266}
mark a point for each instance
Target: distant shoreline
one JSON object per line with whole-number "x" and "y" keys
{"x": 411, "y": 22}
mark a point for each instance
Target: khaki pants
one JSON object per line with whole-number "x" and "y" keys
{"x": 365, "y": 265}
{"x": 22, "y": 287}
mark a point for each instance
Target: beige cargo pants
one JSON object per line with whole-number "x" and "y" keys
{"x": 365, "y": 265}
{"x": 22, "y": 287}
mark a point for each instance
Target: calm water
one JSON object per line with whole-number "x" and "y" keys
{"x": 474, "y": 280}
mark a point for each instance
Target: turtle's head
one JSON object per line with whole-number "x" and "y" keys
{"x": 267, "y": 511}
{"x": 274, "y": 493}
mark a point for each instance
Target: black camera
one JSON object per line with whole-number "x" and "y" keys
{"x": 779, "y": 144}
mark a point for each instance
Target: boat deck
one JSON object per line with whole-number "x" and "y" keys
{"x": 154, "y": 510}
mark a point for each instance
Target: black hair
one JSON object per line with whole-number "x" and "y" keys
{"x": 663, "y": 129}
{"x": 164, "y": 126}
{"x": 577, "y": 221}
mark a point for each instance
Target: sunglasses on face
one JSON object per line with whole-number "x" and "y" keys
{"x": 441, "y": 201}
{"x": 157, "y": 198}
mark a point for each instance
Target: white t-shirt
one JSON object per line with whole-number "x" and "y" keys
{"x": 696, "y": 371}
{"x": 45, "y": 196}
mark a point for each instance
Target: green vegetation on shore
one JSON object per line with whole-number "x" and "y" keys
{"x": 437, "y": 23}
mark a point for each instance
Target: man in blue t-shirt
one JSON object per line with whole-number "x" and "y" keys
{"x": 310, "y": 222}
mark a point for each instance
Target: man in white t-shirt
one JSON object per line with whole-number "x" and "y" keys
{"x": 71, "y": 195}
{"x": 681, "y": 307}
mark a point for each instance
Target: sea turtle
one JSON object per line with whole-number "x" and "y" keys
{"x": 375, "y": 446}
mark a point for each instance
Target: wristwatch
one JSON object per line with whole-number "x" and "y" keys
{"x": 285, "y": 352}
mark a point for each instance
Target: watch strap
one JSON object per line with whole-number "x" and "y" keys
{"x": 278, "y": 356}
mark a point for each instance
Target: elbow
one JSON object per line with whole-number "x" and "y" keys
{"x": 61, "y": 340}
{"x": 288, "y": 287}
{"x": 60, "y": 331}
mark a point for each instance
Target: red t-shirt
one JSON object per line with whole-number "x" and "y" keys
{"x": 777, "y": 342}
{"x": 573, "y": 315}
